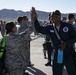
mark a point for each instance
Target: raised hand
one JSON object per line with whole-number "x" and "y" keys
{"x": 33, "y": 14}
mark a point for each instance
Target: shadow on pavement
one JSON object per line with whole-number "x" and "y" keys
{"x": 35, "y": 71}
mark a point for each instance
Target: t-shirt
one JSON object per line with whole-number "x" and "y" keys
{"x": 58, "y": 27}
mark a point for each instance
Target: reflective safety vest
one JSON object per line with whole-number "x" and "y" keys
{"x": 3, "y": 44}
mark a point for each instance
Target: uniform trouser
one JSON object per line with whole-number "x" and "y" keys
{"x": 16, "y": 71}
{"x": 44, "y": 52}
{"x": 28, "y": 54}
{"x": 44, "y": 49}
{"x": 68, "y": 62}
{"x": 49, "y": 50}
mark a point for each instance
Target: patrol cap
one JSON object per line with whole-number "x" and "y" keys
{"x": 57, "y": 12}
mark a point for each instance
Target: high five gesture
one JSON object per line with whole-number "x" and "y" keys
{"x": 33, "y": 14}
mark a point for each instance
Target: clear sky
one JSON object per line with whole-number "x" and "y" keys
{"x": 65, "y": 6}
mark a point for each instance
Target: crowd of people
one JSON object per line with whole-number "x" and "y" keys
{"x": 17, "y": 55}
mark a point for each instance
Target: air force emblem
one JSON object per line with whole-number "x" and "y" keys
{"x": 65, "y": 29}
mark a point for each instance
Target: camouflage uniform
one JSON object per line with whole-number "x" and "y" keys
{"x": 27, "y": 43}
{"x": 2, "y": 29}
{"x": 15, "y": 60}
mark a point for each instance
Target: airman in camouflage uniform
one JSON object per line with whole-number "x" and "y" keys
{"x": 15, "y": 60}
{"x": 26, "y": 43}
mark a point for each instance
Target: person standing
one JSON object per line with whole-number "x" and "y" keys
{"x": 68, "y": 36}
{"x": 25, "y": 26}
{"x": 64, "y": 19}
{"x": 71, "y": 18}
{"x": 15, "y": 61}
{"x": 49, "y": 44}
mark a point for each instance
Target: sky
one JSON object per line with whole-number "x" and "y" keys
{"x": 65, "y": 6}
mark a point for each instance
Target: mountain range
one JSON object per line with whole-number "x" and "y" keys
{"x": 12, "y": 15}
